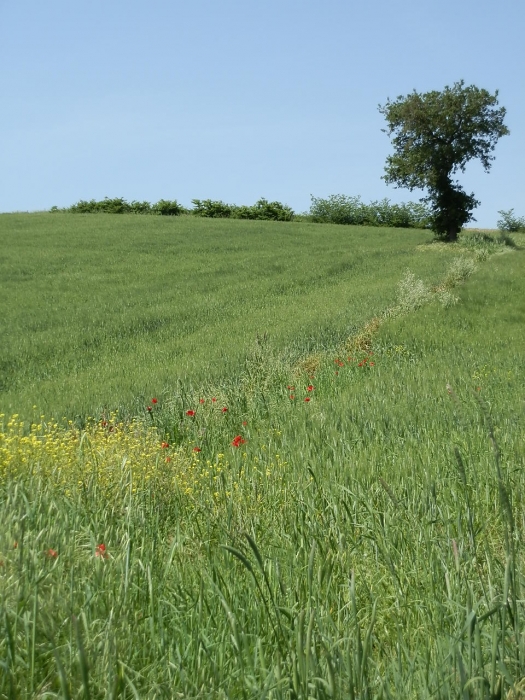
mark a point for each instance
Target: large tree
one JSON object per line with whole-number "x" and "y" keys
{"x": 434, "y": 135}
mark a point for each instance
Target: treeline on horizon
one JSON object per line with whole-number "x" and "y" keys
{"x": 335, "y": 209}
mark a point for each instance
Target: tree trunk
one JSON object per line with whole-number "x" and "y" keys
{"x": 452, "y": 233}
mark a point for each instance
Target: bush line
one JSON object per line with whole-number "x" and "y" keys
{"x": 336, "y": 209}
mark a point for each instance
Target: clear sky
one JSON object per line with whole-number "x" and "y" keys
{"x": 238, "y": 99}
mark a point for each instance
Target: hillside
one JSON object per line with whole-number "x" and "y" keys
{"x": 313, "y": 486}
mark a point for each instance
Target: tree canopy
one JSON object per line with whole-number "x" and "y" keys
{"x": 434, "y": 135}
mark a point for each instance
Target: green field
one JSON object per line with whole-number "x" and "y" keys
{"x": 99, "y": 310}
{"x": 364, "y": 543}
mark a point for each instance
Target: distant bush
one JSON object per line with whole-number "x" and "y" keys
{"x": 212, "y": 209}
{"x": 265, "y": 210}
{"x": 119, "y": 205}
{"x": 509, "y": 222}
{"x": 165, "y": 207}
{"x": 262, "y": 209}
{"x": 342, "y": 209}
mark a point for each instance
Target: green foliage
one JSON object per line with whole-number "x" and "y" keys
{"x": 435, "y": 134}
{"x": 206, "y": 208}
{"x": 166, "y": 207}
{"x": 119, "y": 205}
{"x": 211, "y": 209}
{"x": 413, "y": 293}
{"x": 484, "y": 243}
{"x": 342, "y": 209}
{"x": 459, "y": 271}
{"x": 261, "y": 210}
{"x": 510, "y": 223}
{"x": 265, "y": 211}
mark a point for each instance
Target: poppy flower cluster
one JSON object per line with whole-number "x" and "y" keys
{"x": 237, "y": 441}
{"x": 366, "y": 361}
{"x": 191, "y": 413}
{"x": 153, "y": 401}
{"x": 291, "y": 388}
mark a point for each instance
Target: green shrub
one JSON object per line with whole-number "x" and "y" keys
{"x": 83, "y": 207}
{"x": 342, "y": 209}
{"x": 265, "y": 210}
{"x": 413, "y": 293}
{"x": 509, "y": 222}
{"x": 459, "y": 271}
{"x": 165, "y": 207}
{"x": 139, "y": 207}
{"x": 119, "y": 205}
{"x": 212, "y": 209}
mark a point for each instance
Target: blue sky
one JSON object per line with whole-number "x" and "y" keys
{"x": 237, "y": 100}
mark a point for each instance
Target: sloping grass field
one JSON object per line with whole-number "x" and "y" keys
{"x": 245, "y": 459}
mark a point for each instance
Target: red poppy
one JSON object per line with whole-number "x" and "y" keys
{"x": 238, "y": 440}
{"x": 100, "y": 551}
{"x": 153, "y": 400}
{"x": 307, "y": 398}
{"x": 168, "y": 459}
{"x": 371, "y": 364}
{"x": 224, "y": 410}
{"x": 202, "y": 400}
{"x": 291, "y": 388}
{"x": 190, "y": 413}
{"x": 337, "y": 372}
{"x": 165, "y": 444}
{"x": 52, "y": 553}
{"x": 197, "y": 449}
{"x": 214, "y": 399}
{"x": 149, "y": 408}
{"x": 292, "y": 397}
{"x": 310, "y": 387}
{"x": 245, "y": 422}
{"x": 363, "y": 362}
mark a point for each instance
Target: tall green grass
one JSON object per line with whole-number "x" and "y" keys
{"x": 100, "y": 310}
{"x": 364, "y": 544}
